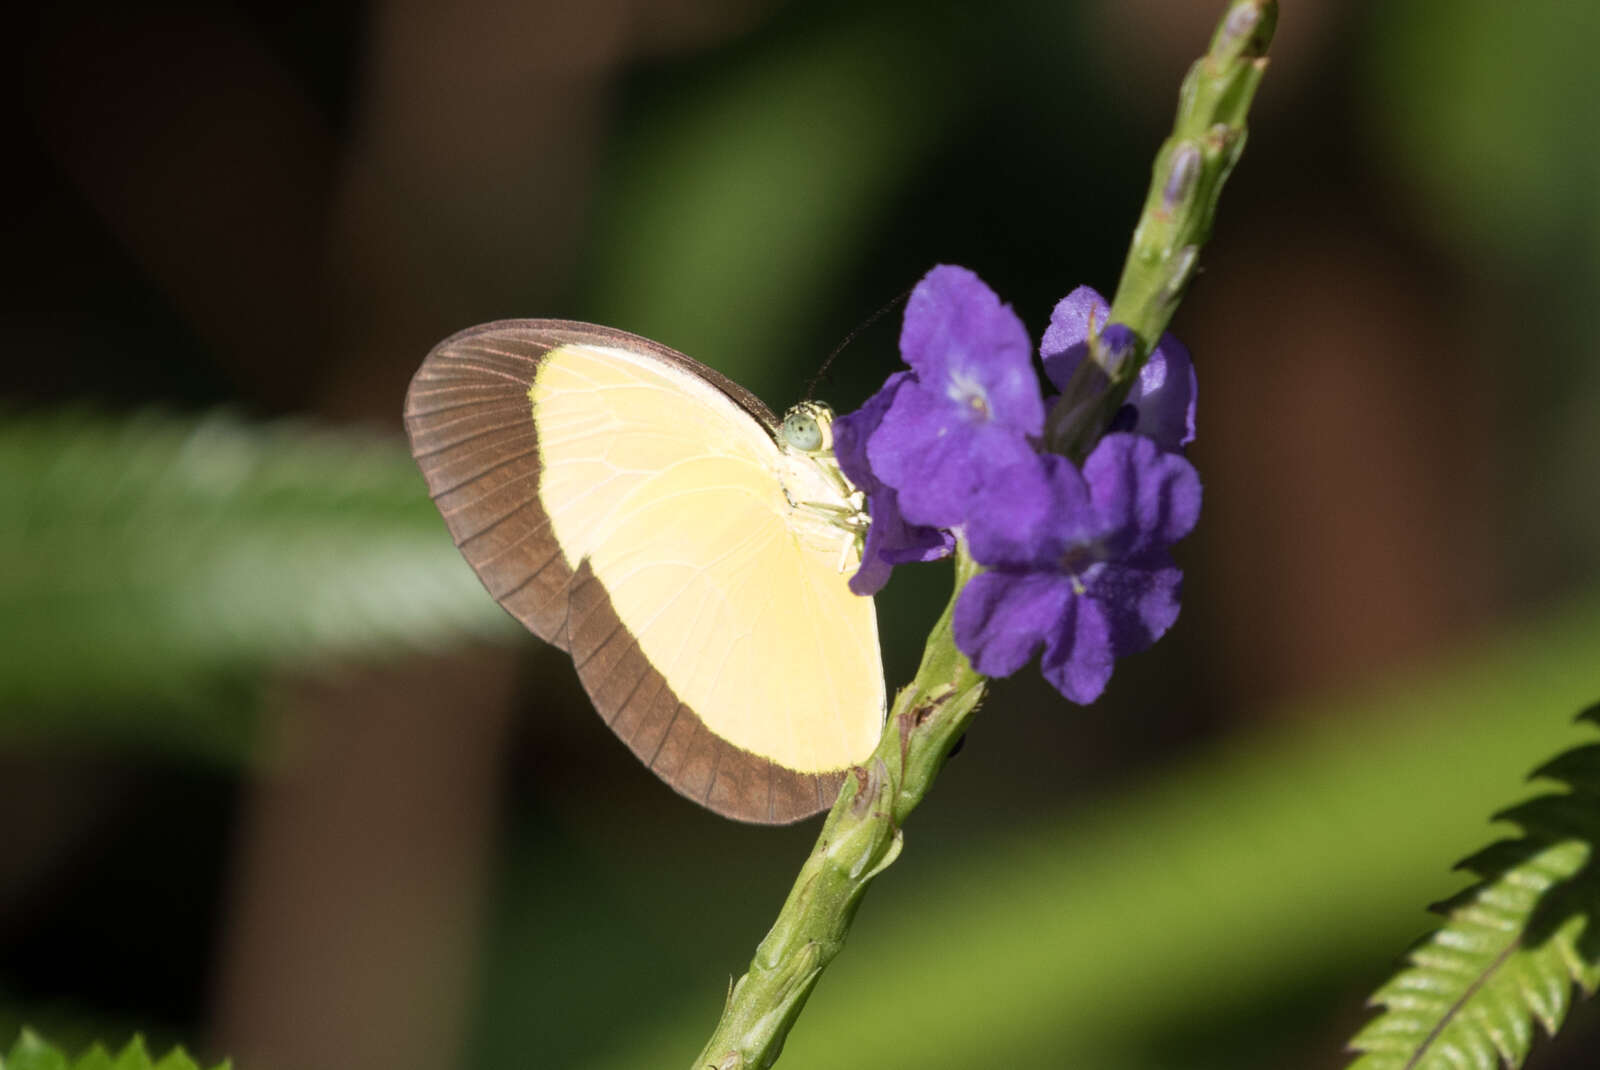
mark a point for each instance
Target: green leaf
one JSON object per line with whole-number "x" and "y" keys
{"x": 31, "y": 1052}
{"x": 96, "y": 1058}
{"x": 1513, "y": 945}
{"x": 160, "y": 560}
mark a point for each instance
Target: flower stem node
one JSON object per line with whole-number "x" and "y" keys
{"x": 872, "y": 781}
{"x": 1184, "y": 261}
{"x": 1220, "y": 138}
{"x": 867, "y": 841}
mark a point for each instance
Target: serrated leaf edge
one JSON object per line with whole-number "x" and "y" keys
{"x": 1447, "y": 1006}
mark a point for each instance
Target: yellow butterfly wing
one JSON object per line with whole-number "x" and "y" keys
{"x": 637, "y": 509}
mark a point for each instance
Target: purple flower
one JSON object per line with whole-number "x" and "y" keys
{"x": 891, "y": 540}
{"x": 1161, "y": 404}
{"x": 1077, "y": 563}
{"x": 970, "y": 405}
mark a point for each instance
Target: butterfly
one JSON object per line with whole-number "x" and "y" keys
{"x": 689, "y": 551}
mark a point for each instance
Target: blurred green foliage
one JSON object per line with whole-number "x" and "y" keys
{"x": 154, "y": 567}
{"x": 1490, "y": 108}
{"x": 1487, "y": 112}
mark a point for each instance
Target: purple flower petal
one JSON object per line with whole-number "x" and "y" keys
{"x": 918, "y": 543}
{"x": 873, "y": 575}
{"x": 917, "y": 451}
{"x": 936, "y": 461}
{"x": 1147, "y": 498}
{"x": 1140, "y": 602}
{"x": 966, "y": 345}
{"x": 1164, "y": 397}
{"x": 1027, "y": 515}
{"x": 852, "y": 430}
{"x": 890, "y": 539}
{"x": 1065, "y": 341}
{"x": 1079, "y": 656}
{"x": 1002, "y": 618}
{"x": 968, "y": 410}
{"x": 1102, "y": 537}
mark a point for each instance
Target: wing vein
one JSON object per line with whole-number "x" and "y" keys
{"x": 423, "y": 455}
{"x": 533, "y": 575}
{"x": 601, "y": 645}
{"x": 632, "y": 691}
{"x": 664, "y": 737}
{"x": 503, "y": 462}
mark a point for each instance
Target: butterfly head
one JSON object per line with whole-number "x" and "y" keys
{"x": 808, "y": 427}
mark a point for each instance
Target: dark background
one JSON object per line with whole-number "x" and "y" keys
{"x": 443, "y": 859}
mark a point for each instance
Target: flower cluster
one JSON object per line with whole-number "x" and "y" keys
{"x": 1077, "y": 561}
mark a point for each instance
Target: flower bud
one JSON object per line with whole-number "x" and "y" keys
{"x": 1181, "y": 178}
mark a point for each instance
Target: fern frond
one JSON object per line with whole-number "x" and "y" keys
{"x": 143, "y": 559}
{"x": 31, "y": 1052}
{"x": 1512, "y": 946}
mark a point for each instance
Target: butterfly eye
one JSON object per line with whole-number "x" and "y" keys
{"x": 802, "y": 431}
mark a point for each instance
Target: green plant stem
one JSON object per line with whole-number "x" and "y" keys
{"x": 861, "y": 836}
{"x": 859, "y": 839}
{"x": 1186, "y": 182}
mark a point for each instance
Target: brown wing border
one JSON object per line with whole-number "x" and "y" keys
{"x": 474, "y": 438}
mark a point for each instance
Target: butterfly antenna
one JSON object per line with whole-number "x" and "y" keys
{"x": 822, "y": 372}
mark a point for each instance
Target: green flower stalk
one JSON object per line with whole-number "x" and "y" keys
{"x": 1191, "y": 167}
{"x": 862, "y": 834}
